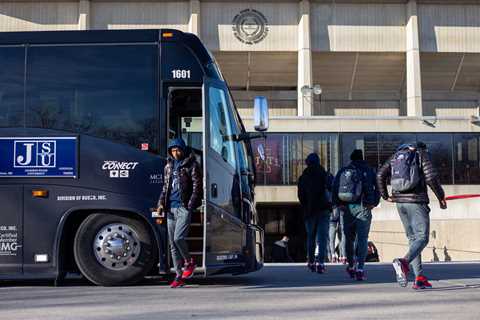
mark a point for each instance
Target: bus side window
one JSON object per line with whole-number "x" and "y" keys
{"x": 11, "y": 86}
{"x": 220, "y": 126}
{"x": 104, "y": 91}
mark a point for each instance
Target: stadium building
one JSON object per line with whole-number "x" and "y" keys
{"x": 339, "y": 75}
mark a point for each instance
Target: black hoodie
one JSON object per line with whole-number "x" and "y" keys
{"x": 311, "y": 191}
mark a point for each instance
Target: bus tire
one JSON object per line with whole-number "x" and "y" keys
{"x": 113, "y": 250}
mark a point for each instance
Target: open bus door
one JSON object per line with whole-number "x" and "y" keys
{"x": 224, "y": 231}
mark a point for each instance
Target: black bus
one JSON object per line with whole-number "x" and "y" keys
{"x": 85, "y": 118}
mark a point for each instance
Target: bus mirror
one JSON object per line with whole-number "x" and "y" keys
{"x": 261, "y": 151}
{"x": 260, "y": 113}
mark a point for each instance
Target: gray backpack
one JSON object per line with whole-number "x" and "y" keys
{"x": 350, "y": 185}
{"x": 405, "y": 170}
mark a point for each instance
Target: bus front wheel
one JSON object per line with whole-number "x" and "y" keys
{"x": 114, "y": 250}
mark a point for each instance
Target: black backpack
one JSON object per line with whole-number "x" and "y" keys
{"x": 405, "y": 170}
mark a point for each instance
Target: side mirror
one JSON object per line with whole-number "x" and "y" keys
{"x": 260, "y": 114}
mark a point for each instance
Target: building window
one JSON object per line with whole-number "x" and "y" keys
{"x": 368, "y": 143}
{"x": 467, "y": 158}
{"x": 285, "y": 156}
{"x": 388, "y": 144}
{"x": 441, "y": 153}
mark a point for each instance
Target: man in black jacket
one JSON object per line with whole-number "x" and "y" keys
{"x": 181, "y": 194}
{"x": 316, "y": 211}
{"x": 357, "y": 214}
{"x": 412, "y": 206}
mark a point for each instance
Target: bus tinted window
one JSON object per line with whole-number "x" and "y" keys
{"x": 221, "y": 126}
{"x": 104, "y": 91}
{"x": 11, "y": 86}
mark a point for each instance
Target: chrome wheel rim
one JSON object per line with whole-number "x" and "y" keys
{"x": 116, "y": 246}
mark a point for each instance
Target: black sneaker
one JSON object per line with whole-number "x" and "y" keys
{"x": 311, "y": 266}
{"x": 351, "y": 272}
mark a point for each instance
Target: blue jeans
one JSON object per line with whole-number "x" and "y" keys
{"x": 356, "y": 220}
{"x": 416, "y": 222}
{"x": 317, "y": 236}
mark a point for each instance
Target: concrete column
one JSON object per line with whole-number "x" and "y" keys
{"x": 305, "y": 102}
{"x": 413, "y": 77}
{"x": 84, "y": 15}
{"x": 194, "y": 21}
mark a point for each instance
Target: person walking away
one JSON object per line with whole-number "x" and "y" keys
{"x": 181, "y": 195}
{"x": 410, "y": 171}
{"x": 280, "y": 251}
{"x": 335, "y": 228}
{"x": 316, "y": 211}
{"x": 355, "y": 195}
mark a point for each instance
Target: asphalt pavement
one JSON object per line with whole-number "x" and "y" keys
{"x": 278, "y": 291}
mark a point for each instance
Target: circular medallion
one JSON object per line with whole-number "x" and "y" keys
{"x": 250, "y": 26}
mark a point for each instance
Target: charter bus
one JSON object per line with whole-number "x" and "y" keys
{"x": 85, "y": 120}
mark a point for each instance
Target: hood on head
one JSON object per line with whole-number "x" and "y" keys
{"x": 177, "y": 143}
{"x": 312, "y": 160}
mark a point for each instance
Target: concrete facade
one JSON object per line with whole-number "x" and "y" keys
{"x": 384, "y": 66}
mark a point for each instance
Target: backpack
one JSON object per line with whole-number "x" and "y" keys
{"x": 405, "y": 170}
{"x": 350, "y": 185}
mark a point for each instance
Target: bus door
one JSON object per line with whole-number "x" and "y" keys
{"x": 224, "y": 231}
{"x": 11, "y": 229}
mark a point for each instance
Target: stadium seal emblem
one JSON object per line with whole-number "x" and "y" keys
{"x": 250, "y": 26}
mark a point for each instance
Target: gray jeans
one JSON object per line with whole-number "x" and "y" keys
{"x": 178, "y": 223}
{"x": 356, "y": 220}
{"x": 336, "y": 228}
{"x": 416, "y": 222}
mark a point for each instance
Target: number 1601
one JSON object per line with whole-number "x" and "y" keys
{"x": 181, "y": 74}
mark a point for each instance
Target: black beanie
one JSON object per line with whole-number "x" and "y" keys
{"x": 357, "y": 154}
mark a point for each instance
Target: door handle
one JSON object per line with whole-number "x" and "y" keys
{"x": 214, "y": 190}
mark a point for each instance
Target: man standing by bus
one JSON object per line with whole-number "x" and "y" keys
{"x": 411, "y": 170}
{"x": 181, "y": 194}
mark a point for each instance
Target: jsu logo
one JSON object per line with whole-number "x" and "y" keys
{"x": 34, "y": 154}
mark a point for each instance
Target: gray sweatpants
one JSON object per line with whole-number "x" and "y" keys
{"x": 416, "y": 222}
{"x": 178, "y": 223}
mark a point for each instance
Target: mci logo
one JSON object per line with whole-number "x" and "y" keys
{"x": 34, "y": 154}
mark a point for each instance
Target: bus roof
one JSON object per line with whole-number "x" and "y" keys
{"x": 108, "y": 36}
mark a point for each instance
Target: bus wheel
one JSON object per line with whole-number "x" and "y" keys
{"x": 114, "y": 250}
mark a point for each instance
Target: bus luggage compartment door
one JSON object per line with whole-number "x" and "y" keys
{"x": 224, "y": 232}
{"x": 11, "y": 230}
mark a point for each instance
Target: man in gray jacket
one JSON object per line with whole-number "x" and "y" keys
{"x": 411, "y": 170}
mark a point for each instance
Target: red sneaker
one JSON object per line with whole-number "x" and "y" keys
{"x": 189, "y": 269}
{"x": 421, "y": 282}
{"x": 177, "y": 283}
{"x": 360, "y": 275}
{"x": 320, "y": 268}
{"x": 401, "y": 269}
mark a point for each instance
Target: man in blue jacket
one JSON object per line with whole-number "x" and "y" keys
{"x": 355, "y": 195}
